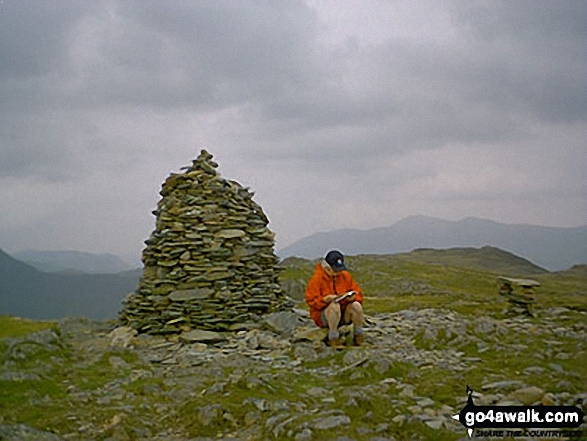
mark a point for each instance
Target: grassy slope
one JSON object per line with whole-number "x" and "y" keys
{"x": 450, "y": 279}
{"x": 17, "y": 327}
{"x": 485, "y": 258}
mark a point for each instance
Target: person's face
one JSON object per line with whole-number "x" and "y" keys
{"x": 330, "y": 271}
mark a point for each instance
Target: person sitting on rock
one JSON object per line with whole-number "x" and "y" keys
{"x": 331, "y": 280}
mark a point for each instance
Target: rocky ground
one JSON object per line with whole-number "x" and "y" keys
{"x": 275, "y": 378}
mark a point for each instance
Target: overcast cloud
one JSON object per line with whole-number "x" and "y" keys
{"x": 336, "y": 113}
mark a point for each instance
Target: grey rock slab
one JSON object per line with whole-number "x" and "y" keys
{"x": 407, "y": 391}
{"x": 318, "y": 392}
{"x": 187, "y": 295}
{"x": 122, "y": 336}
{"x": 210, "y": 414}
{"x": 301, "y": 312}
{"x": 282, "y": 322}
{"x": 425, "y": 402}
{"x": 330, "y": 422}
{"x": 118, "y": 363}
{"x": 202, "y": 336}
{"x": 503, "y": 385}
{"x": 22, "y": 432}
{"x": 304, "y": 435}
{"x": 556, "y": 367}
{"x": 31, "y": 344}
{"x": 185, "y": 256}
{"x": 354, "y": 357}
{"x": 381, "y": 365}
{"x": 252, "y": 417}
{"x": 314, "y": 334}
{"x": 435, "y": 424}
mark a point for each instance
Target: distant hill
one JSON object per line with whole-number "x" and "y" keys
{"x": 28, "y": 292}
{"x": 485, "y": 259}
{"x": 73, "y": 261}
{"x": 454, "y": 278}
{"x": 548, "y": 247}
{"x": 577, "y": 271}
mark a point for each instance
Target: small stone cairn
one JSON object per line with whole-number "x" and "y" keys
{"x": 519, "y": 294}
{"x": 209, "y": 264}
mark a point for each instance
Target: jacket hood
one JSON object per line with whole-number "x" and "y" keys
{"x": 322, "y": 272}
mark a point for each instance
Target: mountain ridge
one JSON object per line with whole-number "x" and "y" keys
{"x": 553, "y": 248}
{"x": 72, "y": 261}
{"x": 27, "y": 292}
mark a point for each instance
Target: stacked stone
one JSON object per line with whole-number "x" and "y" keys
{"x": 210, "y": 263}
{"x": 519, "y": 294}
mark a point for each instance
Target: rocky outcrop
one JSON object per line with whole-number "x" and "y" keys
{"x": 278, "y": 380}
{"x": 210, "y": 263}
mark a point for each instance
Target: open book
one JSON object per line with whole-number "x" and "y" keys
{"x": 344, "y": 296}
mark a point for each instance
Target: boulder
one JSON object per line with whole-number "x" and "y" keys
{"x": 527, "y": 395}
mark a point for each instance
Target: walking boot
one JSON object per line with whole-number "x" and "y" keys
{"x": 335, "y": 343}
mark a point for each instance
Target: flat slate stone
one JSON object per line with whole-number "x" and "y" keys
{"x": 331, "y": 422}
{"x": 202, "y": 336}
{"x": 20, "y": 432}
{"x": 501, "y": 385}
{"x": 231, "y": 234}
{"x": 187, "y": 295}
{"x": 310, "y": 334}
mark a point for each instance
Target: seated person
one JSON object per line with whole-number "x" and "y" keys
{"x": 330, "y": 280}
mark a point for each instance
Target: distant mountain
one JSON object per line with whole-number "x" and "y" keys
{"x": 73, "y": 261}
{"x": 28, "y": 292}
{"x": 133, "y": 260}
{"x": 549, "y": 247}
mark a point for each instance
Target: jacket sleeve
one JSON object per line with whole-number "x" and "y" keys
{"x": 355, "y": 287}
{"x": 314, "y": 294}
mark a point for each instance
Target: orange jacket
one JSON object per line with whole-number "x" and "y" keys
{"x": 321, "y": 284}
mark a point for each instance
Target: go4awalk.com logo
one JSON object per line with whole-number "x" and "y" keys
{"x": 537, "y": 421}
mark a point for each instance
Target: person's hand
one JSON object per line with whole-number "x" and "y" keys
{"x": 329, "y": 298}
{"x": 351, "y": 298}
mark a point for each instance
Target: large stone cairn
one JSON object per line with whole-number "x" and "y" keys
{"x": 209, "y": 264}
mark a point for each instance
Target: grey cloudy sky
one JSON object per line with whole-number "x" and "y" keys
{"x": 336, "y": 113}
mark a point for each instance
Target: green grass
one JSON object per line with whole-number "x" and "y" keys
{"x": 11, "y": 327}
{"x": 45, "y": 403}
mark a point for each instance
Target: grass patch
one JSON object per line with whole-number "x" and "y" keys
{"x": 40, "y": 404}
{"x": 451, "y": 301}
{"x": 11, "y": 327}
